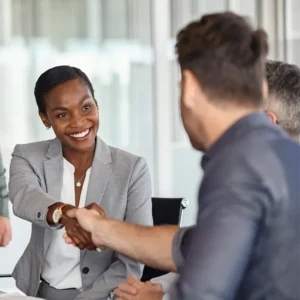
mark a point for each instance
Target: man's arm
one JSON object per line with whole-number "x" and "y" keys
{"x": 151, "y": 246}
{"x": 220, "y": 246}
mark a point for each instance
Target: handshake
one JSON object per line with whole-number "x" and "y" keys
{"x": 80, "y": 223}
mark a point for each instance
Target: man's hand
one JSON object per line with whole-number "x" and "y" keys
{"x": 86, "y": 218}
{"x": 5, "y": 231}
{"x": 134, "y": 289}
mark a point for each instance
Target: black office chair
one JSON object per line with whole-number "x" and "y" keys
{"x": 165, "y": 211}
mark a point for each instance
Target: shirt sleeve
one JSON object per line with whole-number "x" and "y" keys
{"x": 218, "y": 249}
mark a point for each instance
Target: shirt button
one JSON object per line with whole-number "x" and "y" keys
{"x": 85, "y": 270}
{"x": 38, "y": 214}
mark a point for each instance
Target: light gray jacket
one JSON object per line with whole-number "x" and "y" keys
{"x": 3, "y": 191}
{"x": 119, "y": 182}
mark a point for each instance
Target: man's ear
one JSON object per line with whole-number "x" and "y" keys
{"x": 265, "y": 89}
{"x": 273, "y": 118}
{"x": 191, "y": 89}
{"x": 45, "y": 120}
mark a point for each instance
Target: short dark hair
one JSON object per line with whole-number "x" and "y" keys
{"x": 54, "y": 77}
{"x": 226, "y": 55}
{"x": 284, "y": 95}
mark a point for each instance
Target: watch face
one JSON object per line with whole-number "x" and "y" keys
{"x": 56, "y": 216}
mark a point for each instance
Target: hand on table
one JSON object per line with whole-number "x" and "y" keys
{"x": 134, "y": 289}
{"x": 5, "y": 231}
{"x": 84, "y": 219}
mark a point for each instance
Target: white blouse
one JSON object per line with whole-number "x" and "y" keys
{"x": 61, "y": 267}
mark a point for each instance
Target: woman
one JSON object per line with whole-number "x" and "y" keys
{"x": 75, "y": 169}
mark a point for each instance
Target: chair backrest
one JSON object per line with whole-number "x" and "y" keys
{"x": 165, "y": 211}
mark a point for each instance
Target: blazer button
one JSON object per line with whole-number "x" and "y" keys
{"x": 85, "y": 270}
{"x": 38, "y": 214}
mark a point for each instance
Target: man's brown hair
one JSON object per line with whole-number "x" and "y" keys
{"x": 227, "y": 56}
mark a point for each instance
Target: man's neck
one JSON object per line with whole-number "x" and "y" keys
{"x": 212, "y": 131}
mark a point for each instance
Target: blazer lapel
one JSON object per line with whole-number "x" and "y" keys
{"x": 100, "y": 174}
{"x": 53, "y": 168}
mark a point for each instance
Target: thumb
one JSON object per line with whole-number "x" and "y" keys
{"x": 133, "y": 280}
{"x": 72, "y": 213}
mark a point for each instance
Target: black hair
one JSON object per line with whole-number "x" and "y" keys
{"x": 54, "y": 77}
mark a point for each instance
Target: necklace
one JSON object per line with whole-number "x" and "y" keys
{"x": 78, "y": 183}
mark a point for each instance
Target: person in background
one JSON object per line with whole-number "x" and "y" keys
{"x": 5, "y": 227}
{"x": 283, "y": 103}
{"x": 283, "y": 107}
{"x": 76, "y": 169}
{"x": 246, "y": 242}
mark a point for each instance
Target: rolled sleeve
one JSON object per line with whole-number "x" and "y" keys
{"x": 178, "y": 257}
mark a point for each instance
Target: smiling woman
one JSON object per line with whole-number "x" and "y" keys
{"x": 76, "y": 169}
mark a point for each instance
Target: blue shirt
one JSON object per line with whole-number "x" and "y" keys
{"x": 246, "y": 244}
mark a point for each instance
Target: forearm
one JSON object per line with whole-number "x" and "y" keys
{"x": 150, "y": 245}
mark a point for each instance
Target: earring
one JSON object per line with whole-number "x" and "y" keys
{"x": 47, "y": 128}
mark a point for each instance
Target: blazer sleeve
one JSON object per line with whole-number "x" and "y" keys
{"x": 139, "y": 211}
{"x": 29, "y": 201}
{"x": 3, "y": 191}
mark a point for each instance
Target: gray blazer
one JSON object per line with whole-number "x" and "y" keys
{"x": 3, "y": 191}
{"x": 119, "y": 182}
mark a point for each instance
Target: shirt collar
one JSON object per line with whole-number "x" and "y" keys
{"x": 236, "y": 131}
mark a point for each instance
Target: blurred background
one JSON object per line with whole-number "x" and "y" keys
{"x": 126, "y": 47}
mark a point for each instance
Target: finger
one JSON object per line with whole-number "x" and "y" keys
{"x": 9, "y": 232}
{"x": 76, "y": 239}
{"x": 94, "y": 206}
{"x": 149, "y": 283}
{"x": 128, "y": 289}
{"x": 1, "y": 235}
{"x": 133, "y": 280}
{"x": 121, "y": 295}
{"x": 68, "y": 241}
{"x": 6, "y": 237}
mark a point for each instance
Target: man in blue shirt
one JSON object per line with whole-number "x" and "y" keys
{"x": 246, "y": 244}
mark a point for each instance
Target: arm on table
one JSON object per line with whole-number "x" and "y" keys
{"x": 138, "y": 211}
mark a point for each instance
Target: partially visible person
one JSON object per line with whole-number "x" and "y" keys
{"x": 5, "y": 227}
{"x": 76, "y": 169}
{"x": 283, "y": 103}
{"x": 246, "y": 242}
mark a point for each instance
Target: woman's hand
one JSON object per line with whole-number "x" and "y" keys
{"x": 95, "y": 212}
{"x": 80, "y": 237}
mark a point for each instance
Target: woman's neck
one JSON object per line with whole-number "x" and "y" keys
{"x": 80, "y": 160}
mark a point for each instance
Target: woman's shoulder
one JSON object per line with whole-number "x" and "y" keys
{"x": 33, "y": 149}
